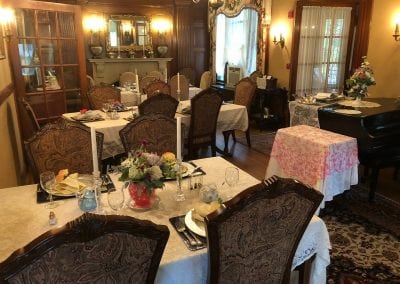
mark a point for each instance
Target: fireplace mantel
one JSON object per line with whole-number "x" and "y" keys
{"x": 108, "y": 70}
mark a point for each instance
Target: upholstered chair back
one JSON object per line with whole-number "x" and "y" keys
{"x": 158, "y": 131}
{"x": 159, "y": 104}
{"x": 183, "y": 85}
{"x": 90, "y": 249}
{"x": 157, "y": 87}
{"x": 100, "y": 94}
{"x": 254, "y": 236}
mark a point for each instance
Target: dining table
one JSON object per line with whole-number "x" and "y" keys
{"x": 322, "y": 159}
{"x": 231, "y": 116}
{"x": 22, "y": 220}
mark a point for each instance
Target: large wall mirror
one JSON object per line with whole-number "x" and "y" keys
{"x": 128, "y": 32}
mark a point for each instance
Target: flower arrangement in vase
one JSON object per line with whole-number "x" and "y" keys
{"x": 145, "y": 172}
{"x": 360, "y": 80}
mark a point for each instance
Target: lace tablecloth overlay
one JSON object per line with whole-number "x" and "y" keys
{"x": 20, "y": 211}
{"x": 324, "y": 160}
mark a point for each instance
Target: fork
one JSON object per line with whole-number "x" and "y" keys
{"x": 181, "y": 228}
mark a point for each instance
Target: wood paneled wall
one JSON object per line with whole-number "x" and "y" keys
{"x": 189, "y": 43}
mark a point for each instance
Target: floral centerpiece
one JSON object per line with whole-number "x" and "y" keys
{"x": 146, "y": 172}
{"x": 360, "y": 80}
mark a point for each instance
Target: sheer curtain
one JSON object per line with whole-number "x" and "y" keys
{"x": 324, "y": 35}
{"x": 236, "y": 42}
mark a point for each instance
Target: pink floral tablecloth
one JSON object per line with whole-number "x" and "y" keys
{"x": 325, "y": 160}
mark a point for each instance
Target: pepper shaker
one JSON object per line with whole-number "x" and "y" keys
{"x": 52, "y": 218}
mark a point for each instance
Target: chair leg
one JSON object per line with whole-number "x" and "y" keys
{"x": 373, "y": 183}
{"x": 248, "y": 138}
{"x": 213, "y": 150}
{"x": 234, "y": 135}
{"x": 226, "y": 139}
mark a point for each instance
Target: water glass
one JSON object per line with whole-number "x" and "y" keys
{"x": 48, "y": 182}
{"x": 231, "y": 178}
{"x": 116, "y": 198}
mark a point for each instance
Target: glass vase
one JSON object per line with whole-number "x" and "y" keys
{"x": 142, "y": 197}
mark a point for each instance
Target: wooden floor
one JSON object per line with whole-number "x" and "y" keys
{"x": 255, "y": 163}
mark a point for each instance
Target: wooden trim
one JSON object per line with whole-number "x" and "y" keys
{"x": 6, "y": 92}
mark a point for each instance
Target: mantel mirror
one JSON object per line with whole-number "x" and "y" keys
{"x": 128, "y": 33}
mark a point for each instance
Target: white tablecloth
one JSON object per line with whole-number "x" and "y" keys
{"x": 194, "y": 91}
{"x": 231, "y": 116}
{"x": 22, "y": 220}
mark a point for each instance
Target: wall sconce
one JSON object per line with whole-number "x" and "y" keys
{"x": 6, "y": 17}
{"x": 162, "y": 26}
{"x": 95, "y": 25}
{"x": 281, "y": 40}
{"x": 396, "y": 34}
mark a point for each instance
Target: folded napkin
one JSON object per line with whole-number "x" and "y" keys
{"x": 88, "y": 116}
{"x": 324, "y": 96}
{"x": 69, "y": 186}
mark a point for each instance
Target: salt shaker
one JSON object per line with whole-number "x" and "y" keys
{"x": 52, "y": 218}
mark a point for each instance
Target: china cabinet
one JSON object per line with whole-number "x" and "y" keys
{"x": 47, "y": 57}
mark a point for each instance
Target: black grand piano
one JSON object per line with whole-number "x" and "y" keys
{"x": 377, "y": 131}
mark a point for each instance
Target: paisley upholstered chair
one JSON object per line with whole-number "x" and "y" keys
{"x": 253, "y": 237}
{"x": 158, "y": 130}
{"x": 100, "y": 94}
{"x": 145, "y": 81}
{"x": 159, "y": 104}
{"x": 156, "y": 74}
{"x": 60, "y": 145}
{"x": 244, "y": 95}
{"x": 183, "y": 86}
{"x": 205, "y": 108}
{"x": 157, "y": 87}
{"x": 91, "y": 249}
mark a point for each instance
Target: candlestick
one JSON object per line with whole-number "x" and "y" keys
{"x": 144, "y": 52}
{"x": 137, "y": 82}
{"x": 396, "y": 30}
{"x": 178, "y": 138}
{"x": 94, "y": 152}
{"x": 179, "y": 87}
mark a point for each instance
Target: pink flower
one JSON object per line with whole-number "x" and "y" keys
{"x": 84, "y": 110}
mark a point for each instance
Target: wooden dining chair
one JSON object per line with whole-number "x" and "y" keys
{"x": 183, "y": 85}
{"x": 63, "y": 144}
{"x": 205, "y": 108}
{"x": 253, "y": 237}
{"x": 145, "y": 81}
{"x": 159, "y": 104}
{"x": 205, "y": 80}
{"x": 127, "y": 77}
{"x": 90, "y": 249}
{"x": 100, "y": 94}
{"x": 28, "y": 119}
{"x": 158, "y": 131}
{"x": 244, "y": 95}
{"x": 157, "y": 87}
{"x": 156, "y": 74}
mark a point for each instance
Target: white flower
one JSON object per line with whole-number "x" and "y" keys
{"x": 155, "y": 172}
{"x": 153, "y": 159}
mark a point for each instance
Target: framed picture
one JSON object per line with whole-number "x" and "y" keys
{"x": 2, "y": 49}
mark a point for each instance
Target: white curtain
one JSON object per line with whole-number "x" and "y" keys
{"x": 324, "y": 34}
{"x": 236, "y": 42}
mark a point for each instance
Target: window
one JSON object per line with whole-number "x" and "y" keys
{"x": 324, "y": 36}
{"x": 236, "y": 42}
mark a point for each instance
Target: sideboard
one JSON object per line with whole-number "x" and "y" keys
{"x": 108, "y": 70}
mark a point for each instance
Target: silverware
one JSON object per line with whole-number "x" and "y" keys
{"x": 181, "y": 228}
{"x": 193, "y": 235}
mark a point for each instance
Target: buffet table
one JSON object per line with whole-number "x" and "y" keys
{"x": 22, "y": 220}
{"x": 326, "y": 161}
{"x": 231, "y": 116}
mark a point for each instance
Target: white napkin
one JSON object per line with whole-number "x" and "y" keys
{"x": 323, "y": 96}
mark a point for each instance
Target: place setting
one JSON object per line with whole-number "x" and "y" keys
{"x": 88, "y": 116}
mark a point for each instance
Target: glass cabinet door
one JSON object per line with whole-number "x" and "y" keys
{"x": 50, "y": 59}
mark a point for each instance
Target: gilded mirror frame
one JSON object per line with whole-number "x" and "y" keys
{"x": 127, "y": 33}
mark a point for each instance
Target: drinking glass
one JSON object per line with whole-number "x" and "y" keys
{"x": 116, "y": 198}
{"x": 231, "y": 177}
{"x": 48, "y": 182}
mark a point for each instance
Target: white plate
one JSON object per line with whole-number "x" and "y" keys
{"x": 348, "y": 111}
{"x": 196, "y": 227}
{"x": 190, "y": 169}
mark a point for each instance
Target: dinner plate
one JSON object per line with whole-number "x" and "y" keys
{"x": 87, "y": 118}
{"x": 190, "y": 168}
{"x": 195, "y": 226}
{"x": 347, "y": 111}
